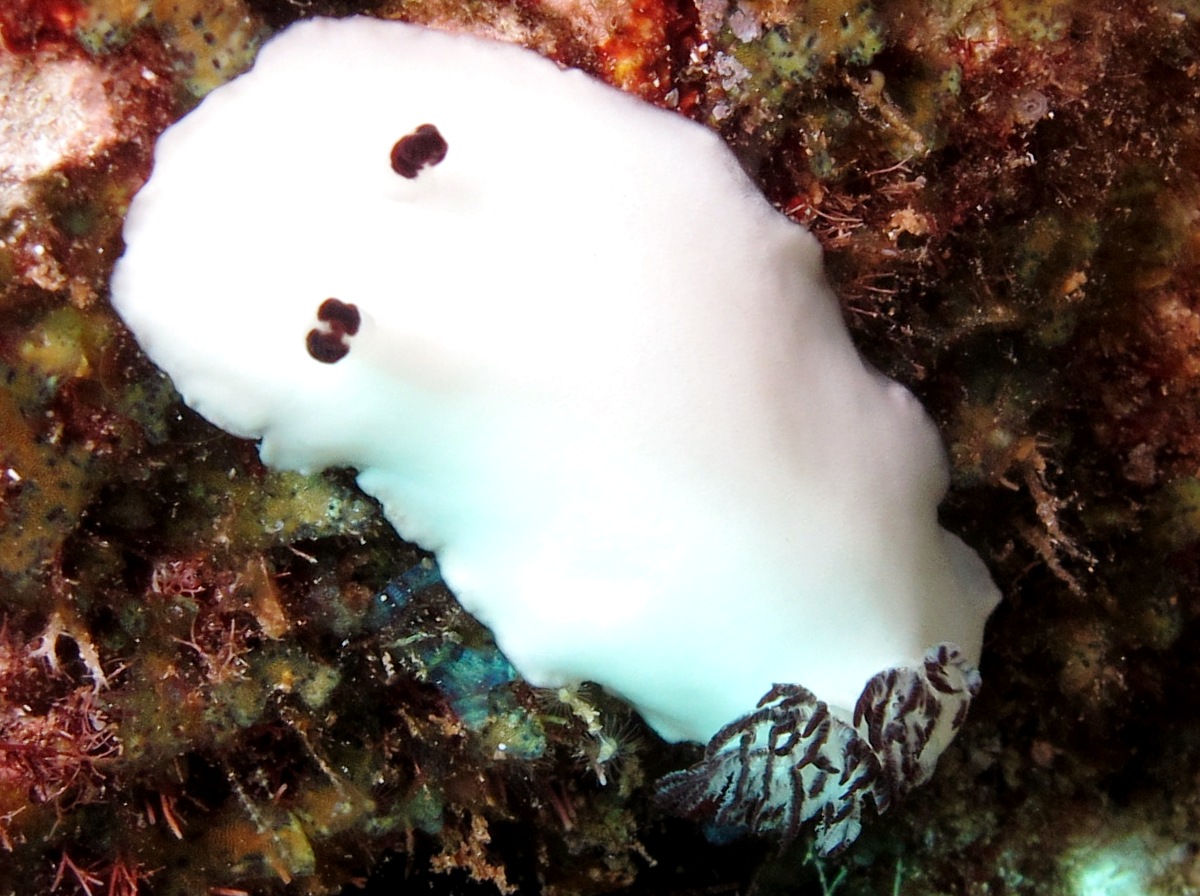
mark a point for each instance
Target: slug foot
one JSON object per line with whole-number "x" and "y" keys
{"x": 795, "y": 759}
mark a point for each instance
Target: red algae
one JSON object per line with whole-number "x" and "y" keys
{"x": 30, "y": 25}
{"x": 192, "y": 695}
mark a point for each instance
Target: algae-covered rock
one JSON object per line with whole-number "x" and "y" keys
{"x": 214, "y": 678}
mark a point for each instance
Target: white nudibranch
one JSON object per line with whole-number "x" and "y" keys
{"x": 573, "y": 351}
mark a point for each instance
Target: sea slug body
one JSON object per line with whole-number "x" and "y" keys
{"x": 573, "y": 351}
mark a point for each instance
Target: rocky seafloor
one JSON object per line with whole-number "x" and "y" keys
{"x": 201, "y": 689}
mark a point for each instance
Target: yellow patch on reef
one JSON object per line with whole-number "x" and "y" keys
{"x": 258, "y": 585}
{"x": 259, "y": 840}
{"x": 296, "y": 673}
{"x": 1035, "y": 20}
{"x": 633, "y": 50}
{"x": 213, "y": 39}
{"x": 283, "y": 507}
{"x": 43, "y": 490}
{"x": 817, "y": 32}
{"x": 55, "y": 348}
{"x": 331, "y": 806}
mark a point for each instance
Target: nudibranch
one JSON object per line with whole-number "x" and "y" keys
{"x": 574, "y": 352}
